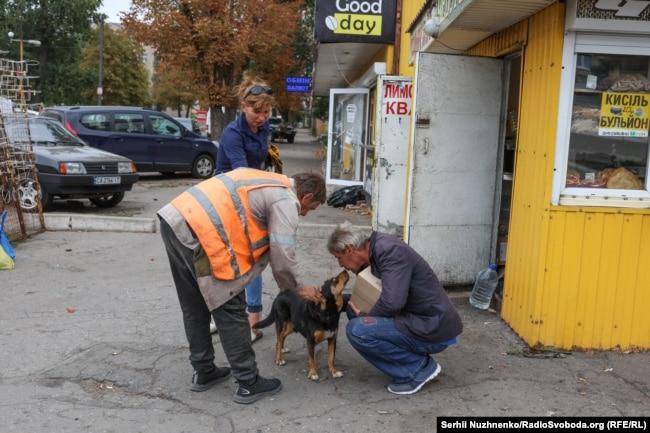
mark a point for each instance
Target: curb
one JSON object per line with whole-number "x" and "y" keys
{"x": 95, "y": 223}
{"x": 98, "y": 223}
{"x": 322, "y": 231}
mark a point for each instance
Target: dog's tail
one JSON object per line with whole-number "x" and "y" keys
{"x": 267, "y": 321}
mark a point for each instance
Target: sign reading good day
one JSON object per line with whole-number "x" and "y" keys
{"x": 624, "y": 115}
{"x": 361, "y": 21}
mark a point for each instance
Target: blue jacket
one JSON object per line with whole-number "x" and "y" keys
{"x": 240, "y": 147}
{"x": 411, "y": 292}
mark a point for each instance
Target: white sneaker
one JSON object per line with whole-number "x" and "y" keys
{"x": 213, "y": 327}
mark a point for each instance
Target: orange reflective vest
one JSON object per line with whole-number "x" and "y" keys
{"x": 219, "y": 213}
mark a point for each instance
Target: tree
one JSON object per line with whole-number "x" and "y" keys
{"x": 61, "y": 26}
{"x": 126, "y": 81}
{"x": 214, "y": 41}
{"x": 171, "y": 88}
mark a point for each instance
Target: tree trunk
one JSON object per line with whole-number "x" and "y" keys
{"x": 187, "y": 110}
{"x": 178, "y": 110}
{"x": 231, "y": 114}
{"x": 218, "y": 122}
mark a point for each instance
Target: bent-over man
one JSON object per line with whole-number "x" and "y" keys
{"x": 220, "y": 235}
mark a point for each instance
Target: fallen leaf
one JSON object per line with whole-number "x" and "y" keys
{"x": 607, "y": 370}
{"x": 70, "y": 309}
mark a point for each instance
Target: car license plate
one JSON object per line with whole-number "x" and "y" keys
{"x": 106, "y": 180}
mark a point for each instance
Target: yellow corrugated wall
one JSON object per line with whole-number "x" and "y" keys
{"x": 541, "y": 37}
{"x": 410, "y": 9}
{"x": 596, "y": 279}
{"x": 541, "y": 67}
{"x": 576, "y": 278}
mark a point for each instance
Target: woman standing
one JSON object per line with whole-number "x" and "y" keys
{"x": 245, "y": 143}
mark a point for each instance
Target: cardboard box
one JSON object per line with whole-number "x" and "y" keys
{"x": 366, "y": 290}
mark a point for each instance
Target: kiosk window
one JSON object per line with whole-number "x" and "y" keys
{"x": 610, "y": 121}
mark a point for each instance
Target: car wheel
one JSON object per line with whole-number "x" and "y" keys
{"x": 109, "y": 200}
{"x": 203, "y": 167}
{"x": 290, "y": 139}
{"x": 28, "y": 193}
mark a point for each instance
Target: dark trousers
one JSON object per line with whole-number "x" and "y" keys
{"x": 231, "y": 318}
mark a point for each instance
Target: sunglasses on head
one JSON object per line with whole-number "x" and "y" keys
{"x": 258, "y": 90}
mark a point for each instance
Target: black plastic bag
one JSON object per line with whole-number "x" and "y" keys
{"x": 346, "y": 196}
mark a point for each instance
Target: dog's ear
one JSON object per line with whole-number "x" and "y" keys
{"x": 339, "y": 282}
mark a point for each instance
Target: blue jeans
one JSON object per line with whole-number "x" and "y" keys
{"x": 254, "y": 295}
{"x": 399, "y": 356}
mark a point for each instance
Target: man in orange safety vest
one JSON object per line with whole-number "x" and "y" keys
{"x": 219, "y": 235}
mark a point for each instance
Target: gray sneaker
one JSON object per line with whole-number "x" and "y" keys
{"x": 411, "y": 387}
{"x": 204, "y": 381}
{"x": 261, "y": 387}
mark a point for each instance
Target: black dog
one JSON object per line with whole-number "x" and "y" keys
{"x": 315, "y": 321}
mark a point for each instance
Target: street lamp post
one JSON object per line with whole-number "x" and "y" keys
{"x": 100, "y": 84}
{"x": 21, "y": 71}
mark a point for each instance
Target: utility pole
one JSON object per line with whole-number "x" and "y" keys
{"x": 100, "y": 86}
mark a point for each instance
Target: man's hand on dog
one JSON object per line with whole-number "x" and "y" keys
{"x": 354, "y": 308}
{"x": 310, "y": 293}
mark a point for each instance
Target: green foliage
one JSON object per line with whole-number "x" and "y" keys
{"x": 304, "y": 39}
{"x": 172, "y": 88}
{"x": 126, "y": 81}
{"x": 61, "y": 26}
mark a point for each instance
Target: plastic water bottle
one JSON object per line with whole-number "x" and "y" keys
{"x": 484, "y": 287}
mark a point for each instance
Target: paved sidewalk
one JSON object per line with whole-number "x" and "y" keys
{"x": 93, "y": 341}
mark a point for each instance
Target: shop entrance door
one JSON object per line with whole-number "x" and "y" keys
{"x": 506, "y": 162}
{"x": 450, "y": 208}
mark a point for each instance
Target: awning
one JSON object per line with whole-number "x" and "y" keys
{"x": 467, "y": 22}
{"x": 338, "y": 65}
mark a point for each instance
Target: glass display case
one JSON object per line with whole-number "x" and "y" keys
{"x": 608, "y": 142}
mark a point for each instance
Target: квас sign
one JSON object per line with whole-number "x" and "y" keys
{"x": 364, "y": 21}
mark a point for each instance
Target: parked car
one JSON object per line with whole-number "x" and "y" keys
{"x": 67, "y": 167}
{"x": 189, "y": 124}
{"x": 153, "y": 140}
{"x": 281, "y": 130}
